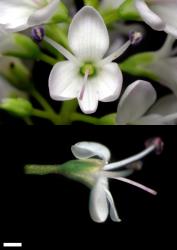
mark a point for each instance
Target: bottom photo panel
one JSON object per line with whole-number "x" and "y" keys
{"x": 73, "y": 187}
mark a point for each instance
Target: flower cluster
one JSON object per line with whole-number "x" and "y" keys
{"x": 83, "y": 47}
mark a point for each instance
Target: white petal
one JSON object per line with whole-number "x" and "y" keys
{"x": 98, "y": 205}
{"x": 64, "y": 81}
{"x": 89, "y": 102}
{"x": 149, "y": 16}
{"x": 43, "y": 14}
{"x": 113, "y": 212}
{"x": 82, "y": 150}
{"x": 108, "y": 83}
{"x": 165, "y": 70}
{"x": 14, "y": 14}
{"x": 167, "y": 12}
{"x": 136, "y": 100}
{"x": 88, "y": 35}
{"x": 165, "y": 105}
{"x": 153, "y": 119}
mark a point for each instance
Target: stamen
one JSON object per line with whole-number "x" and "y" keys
{"x": 157, "y": 142}
{"x": 131, "y": 159}
{"x": 133, "y": 39}
{"x": 87, "y": 73}
{"x": 62, "y": 50}
{"x": 38, "y": 33}
{"x": 115, "y": 54}
{"x": 136, "y": 184}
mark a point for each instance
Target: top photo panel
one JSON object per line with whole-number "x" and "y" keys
{"x": 97, "y": 62}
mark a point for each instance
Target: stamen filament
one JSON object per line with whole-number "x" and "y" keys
{"x": 115, "y": 54}
{"x": 136, "y": 184}
{"x": 131, "y": 159}
{"x": 62, "y": 50}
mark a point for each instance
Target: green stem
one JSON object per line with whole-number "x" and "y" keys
{"x": 42, "y": 169}
{"x": 42, "y": 101}
{"x": 67, "y": 109}
{"x": 48, "y": 59}
{"x": 55, "y": 119}
{"x": 84, "y": 118}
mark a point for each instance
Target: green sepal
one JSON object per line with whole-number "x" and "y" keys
{"x": 81, "y": 170}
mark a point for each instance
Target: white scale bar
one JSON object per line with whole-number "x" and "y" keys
{"x": 13, "y": 244}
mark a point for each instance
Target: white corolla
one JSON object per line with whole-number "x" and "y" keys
{"x": 18, "y": 15}
{"x": 137, "y": 107}
{"x": 101, "y": 201}
{"x": 86, "y": 75}
{"x": 159, "y": 14}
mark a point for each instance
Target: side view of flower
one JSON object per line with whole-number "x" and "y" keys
{"x": 92, "y": 168}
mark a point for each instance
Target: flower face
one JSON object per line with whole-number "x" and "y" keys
{"x": 86, "y": 75}
{"x": 159, "y": 14}
{"x": 136, "y": 101}
{"x": 101, "y": 198}
{"x": 17, "y": 15}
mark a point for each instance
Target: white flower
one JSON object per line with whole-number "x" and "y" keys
{"x": 136, "y": 101}
{"x": 101, "y": 201}
{"x": 159, "y": 14}
{"x": 17, "y": 15}
{"x": 110, "y": 4}
{"x": 86, "y": 75}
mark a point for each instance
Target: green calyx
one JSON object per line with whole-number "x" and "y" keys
{"x": 83, "y": 171}
{"x": 88, "y": 68}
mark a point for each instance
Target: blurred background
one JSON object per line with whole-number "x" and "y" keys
{"x": 52, "y": 211}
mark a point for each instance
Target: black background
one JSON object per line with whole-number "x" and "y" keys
{"x": 52, "y": 211}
